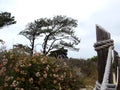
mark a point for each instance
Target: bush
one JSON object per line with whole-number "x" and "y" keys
{"x": 86, "y": 69}
{"x": 23, "y": 72}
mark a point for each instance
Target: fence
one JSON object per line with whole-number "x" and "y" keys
{"x": 108, "y": 61}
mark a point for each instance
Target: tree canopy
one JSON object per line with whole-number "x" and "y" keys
{"x": 6, "y": 19}
{"x": 58, "y": 32}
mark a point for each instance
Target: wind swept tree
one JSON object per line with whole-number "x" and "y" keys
{"x": 6, "y": 19}
{"x": 31, "y": 32}
{"x": 58, "y": 32}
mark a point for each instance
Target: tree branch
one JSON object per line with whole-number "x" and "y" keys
{"x": 50, "y": 48}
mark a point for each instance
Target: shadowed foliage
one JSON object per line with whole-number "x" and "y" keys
{"x": 60, "y": 53}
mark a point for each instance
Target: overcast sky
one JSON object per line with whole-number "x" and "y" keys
{"x": 105, "y": 13}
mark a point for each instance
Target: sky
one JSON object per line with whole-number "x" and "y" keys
{"x": 105, "y": 13}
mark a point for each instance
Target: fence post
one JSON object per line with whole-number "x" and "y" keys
{"x": 115, "y": 65}
{"x": 102, "y": 38}
{"x": 118, "y": 88}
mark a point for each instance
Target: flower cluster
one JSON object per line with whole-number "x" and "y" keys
{"x": 37, "y": 72}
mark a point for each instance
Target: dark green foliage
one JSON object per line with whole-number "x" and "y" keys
{"x": 62, "y": 53}
{"x": 6, "y": 19}
{"x": 94, "y": 58}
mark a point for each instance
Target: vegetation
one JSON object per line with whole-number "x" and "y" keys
{"x": 57, "y": 32}
{"x": 6, "y": 19}
{"x": 60, "y": 53}
{"x": 38, "y": 72}
{"x": 86, "y": 69}
{"x": 21, "y": 69}
{"x": 22, "y": 48}
{"x": 31, "y": 32}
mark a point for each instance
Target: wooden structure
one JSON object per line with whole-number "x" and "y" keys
{"x": 104, "y": 42}
{"x": 116, "y": 66}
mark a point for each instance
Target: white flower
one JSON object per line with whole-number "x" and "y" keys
{"x": 37, "y": 74}
{"x": 31, "y": 80}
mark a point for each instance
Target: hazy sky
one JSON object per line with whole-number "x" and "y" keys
{"x": 105, "y": 13}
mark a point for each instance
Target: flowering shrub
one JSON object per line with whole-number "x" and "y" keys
{"x": 23, "y": 72}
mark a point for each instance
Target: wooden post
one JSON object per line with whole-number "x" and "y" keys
{"x": 102, "y": 37}
{"x": 118, "y": 88}
{"x": 115, "y": 65}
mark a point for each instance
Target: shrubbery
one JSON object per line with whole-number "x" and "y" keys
{"x": 19, "y": 71}
{"x": 86, "y": 69}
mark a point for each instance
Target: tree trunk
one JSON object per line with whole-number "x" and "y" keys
{"x": 32, "y": 46}
{"x": 45, "y": 44}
